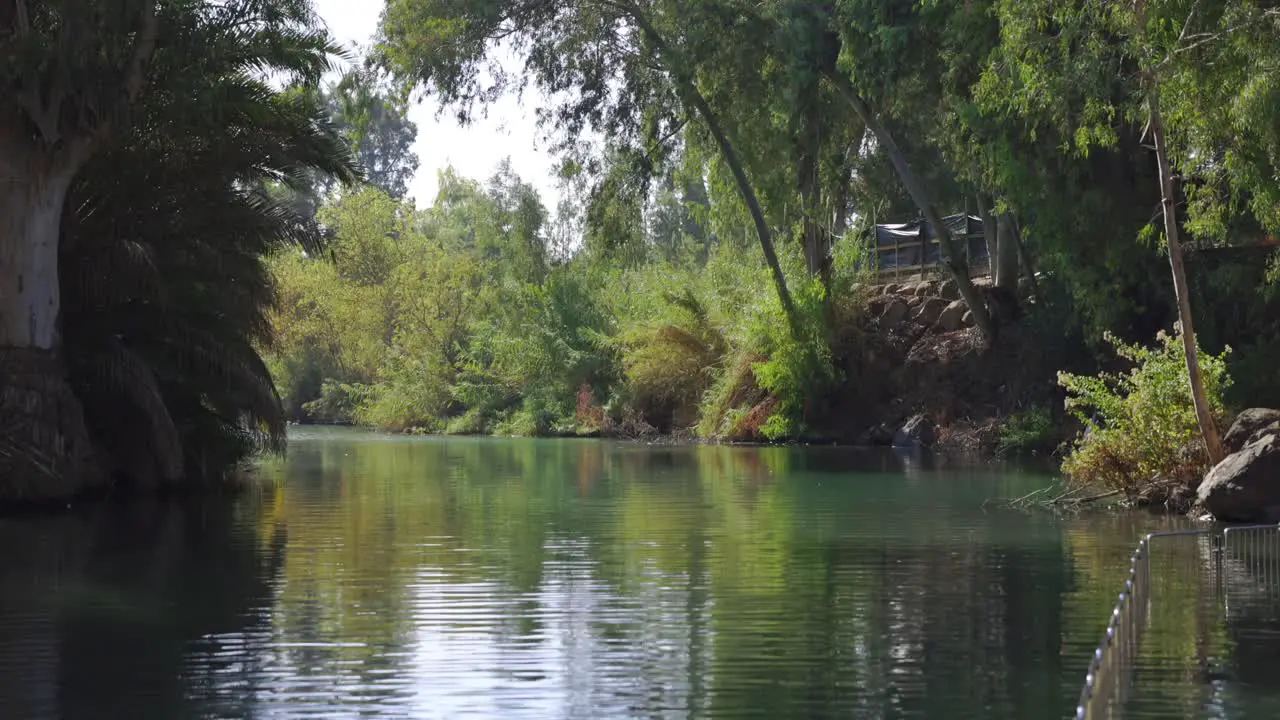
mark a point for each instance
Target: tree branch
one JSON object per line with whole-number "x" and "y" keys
{"x": 44, "y": 115}
{"x": 952, "y": 258}
{"x": 133, "y": 82}
{"x": 143, "y": 48}
{"x": 687, "y": 87}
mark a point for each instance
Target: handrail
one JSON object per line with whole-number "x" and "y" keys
{"x": 1120, "y": 641}
{"x": 1106, "y": 682}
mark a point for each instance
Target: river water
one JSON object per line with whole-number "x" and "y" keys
{"x": 392, "y": 577}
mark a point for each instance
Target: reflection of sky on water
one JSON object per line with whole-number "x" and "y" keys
{"x": 392, "y": 577}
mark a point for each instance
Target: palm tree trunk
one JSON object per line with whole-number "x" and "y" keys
{"x": 1204, "y": 415}
{"x": 953, "y": 259}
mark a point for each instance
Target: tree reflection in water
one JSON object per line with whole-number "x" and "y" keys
{"x": 394, "y": 577}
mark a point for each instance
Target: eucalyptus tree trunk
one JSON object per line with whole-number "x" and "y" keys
{"x": 44, "y": 443}
{"x": 989, "y": 232}
{"x": 689, "y": 91}
{"x": 817, "y": 238}
{"x": 1172, "y": 234}
{"x": 1204, "y": 414}
{"x": 1005, "y": 261}
{"x": 953, "y": 259}
{"x": 58, "y": 105}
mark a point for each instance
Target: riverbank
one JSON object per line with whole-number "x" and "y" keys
{"x": 912, "y": 372}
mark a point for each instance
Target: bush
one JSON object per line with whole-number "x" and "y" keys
{"x": 338, "y": 403}
{"x": 1029, "y": 432}
{"x": 671, "y": 359}
{"x": 1140, "y": 425}
{"x": 798, "y": 368}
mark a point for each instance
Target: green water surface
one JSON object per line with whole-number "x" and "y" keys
{"x": 392, "y": 577}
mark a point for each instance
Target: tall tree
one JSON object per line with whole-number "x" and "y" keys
{"x": 626, "y": 68}
{"x": 1193, "y": 80}
{"x": 375, "y": 120}
{"x": 1172, "y": 234}
{"x": 876, "y": 63}
{"x": 151, "y": 287}
{"x": 71, "y": 72}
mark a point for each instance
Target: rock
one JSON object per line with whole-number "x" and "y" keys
{"x": 952, "y": 316}
{"x": 1251, "y": 426}
{"x": 1245, "y": 486}
{"x": 894, "y": 313}
{"x": 930, "y": 310}
{"x": 925, "y": 288}
{"x": 967, "y": 319}
{"x": 949, "y": 290}
{"x": 878, "y": 436}
{"x": 916, "y": 432}
{"x": 892, "y": 289}
{"x": 915, "y": 301}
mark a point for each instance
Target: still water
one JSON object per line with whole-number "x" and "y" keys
{"x": 390, "y": 577}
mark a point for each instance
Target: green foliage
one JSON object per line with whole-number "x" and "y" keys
{"x": 1140, "y": 424}
{"x": 446, "y": 319}
{"x": 647, "y": 297}
{"x": 798, "y": 368}
{"x": 1239, "y": 309}
{"x": 367, "y": 110}
{"x": 1029, "y": 432}
{"x": 338, "y": 402}
{"x": 165, "y": 297}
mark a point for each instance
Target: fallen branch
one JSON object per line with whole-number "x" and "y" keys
{"x": 1055, "y": 497}
{"x": 1092, "y": 498}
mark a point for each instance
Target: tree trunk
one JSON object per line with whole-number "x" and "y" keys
{"x": 1204, "y": 415}
{"x": 763, "y": 232}
{"x": 817, "y": 239}
{"x": 989, "y": 233}
{"x": 1006, "y": 258}
{"x": 1028, "y": 267}
{"x": 44, "y": 443}
{"x": 817, "y": 245}
{"x": 689, "y": 90}
{"x": 953, "y": 259}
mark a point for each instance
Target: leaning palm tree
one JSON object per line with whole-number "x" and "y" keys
{"x": 164, "y": 289}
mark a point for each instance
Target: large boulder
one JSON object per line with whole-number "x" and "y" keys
{"x": 879, "y": 436}
{"x": 1245, "y": 486}
{"x": 952, "y": 316}
{"x": 916, "y": 432}
{"x": 930, "y": 310}
{"x": 1251, "y": 426}
{"x": 949, "y": 290}
{"x": 894, "y": 313}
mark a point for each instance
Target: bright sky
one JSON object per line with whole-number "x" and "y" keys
{"x": 474, "y": 151}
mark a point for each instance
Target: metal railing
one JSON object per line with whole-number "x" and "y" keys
{"x": 1242, "y": 561}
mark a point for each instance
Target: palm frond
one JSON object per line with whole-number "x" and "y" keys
{"x": 165, "y": 292}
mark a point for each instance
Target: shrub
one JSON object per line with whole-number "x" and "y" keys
{"x": 1140, "y": 425}
{"x": 672, "y": 359}
{"x": 338, "y": 402}
{"x": 1028, "y": 432}
{"x": 798, "y": 368}
{"x": 589, "y": 415}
